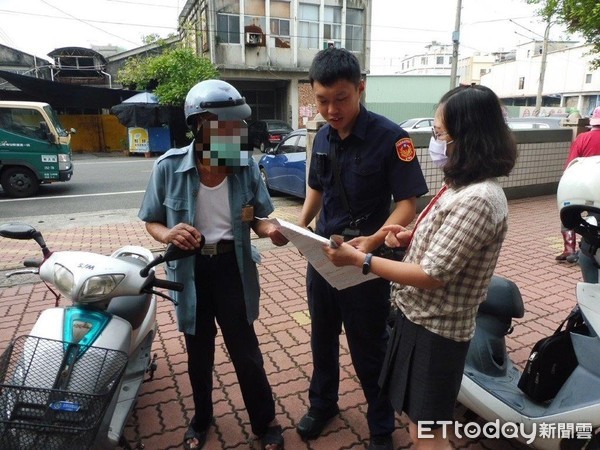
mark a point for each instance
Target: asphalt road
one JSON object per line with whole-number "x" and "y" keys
{"x": 104, "y": 189}
{"x": 98, "y": 184}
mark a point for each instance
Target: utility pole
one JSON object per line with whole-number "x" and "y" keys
{"x": 455, "y": 42}
{"x": 538, "y": 98}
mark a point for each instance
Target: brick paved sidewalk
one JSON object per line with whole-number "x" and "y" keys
{"x": 164, "y": 407}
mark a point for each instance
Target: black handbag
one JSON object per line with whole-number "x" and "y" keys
{"x": 552, "y": 360}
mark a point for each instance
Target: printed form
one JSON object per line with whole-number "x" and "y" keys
{"x": 310, "y": 246}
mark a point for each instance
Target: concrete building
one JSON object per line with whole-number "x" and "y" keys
{"x": 16, "y": 61}
{"x": 471, "y": 69}
{"x": 435, "y": 60}
{"x": 569, "y": 79}
{"x": 265, "y": 47}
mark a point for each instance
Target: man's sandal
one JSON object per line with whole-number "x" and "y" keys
{"x": 194, "y": 440}
{"x": 272, "y": 439}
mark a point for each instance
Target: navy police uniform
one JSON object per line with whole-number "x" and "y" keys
{"x": 374, "y": 163}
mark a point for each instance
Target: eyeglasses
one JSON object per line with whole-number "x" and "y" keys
{"x": 436, "y": 135}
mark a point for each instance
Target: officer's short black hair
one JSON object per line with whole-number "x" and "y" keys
{"x": 333, "y": 64}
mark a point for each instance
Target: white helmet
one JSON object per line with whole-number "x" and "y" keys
{"x": 217, "y": 97}
{"x": 578, "y": 198}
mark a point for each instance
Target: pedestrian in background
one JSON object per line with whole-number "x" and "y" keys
{"x": 360, "y": 160}
{"x": 212, "y": 189}
{"x": 586, "y": 144}
{"x": 452, "y": 252}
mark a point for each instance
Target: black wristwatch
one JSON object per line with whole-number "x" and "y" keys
{"x": 367, "y": 264}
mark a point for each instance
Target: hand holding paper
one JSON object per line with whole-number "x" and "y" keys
{"x": 311, "y": 246}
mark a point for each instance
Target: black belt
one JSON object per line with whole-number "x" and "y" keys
{"x": 218, "y": 248}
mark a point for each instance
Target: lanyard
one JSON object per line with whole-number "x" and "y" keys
{"x": 427, "y": 209}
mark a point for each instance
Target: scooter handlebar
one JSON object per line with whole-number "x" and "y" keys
{"x": 166, "y": 284}
{"x": 33, "y": 262}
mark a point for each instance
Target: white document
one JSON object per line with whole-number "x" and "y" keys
{"x": 311, "y": 247}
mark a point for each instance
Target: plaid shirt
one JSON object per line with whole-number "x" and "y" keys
{"x": 457, "y": 242}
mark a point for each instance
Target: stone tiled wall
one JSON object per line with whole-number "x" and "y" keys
{"x": 542, "y": 155}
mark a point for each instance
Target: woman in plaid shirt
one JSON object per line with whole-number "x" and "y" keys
{"x": 451, "y": 256}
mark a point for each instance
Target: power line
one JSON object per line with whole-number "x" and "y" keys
{"x": 144, "y": 4}
{"x": 525, "y": 28}
{"x": 90, "y": 22}
{"x": 106, "y": 22}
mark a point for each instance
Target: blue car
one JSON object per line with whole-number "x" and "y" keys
{"x": 283, "y": 169}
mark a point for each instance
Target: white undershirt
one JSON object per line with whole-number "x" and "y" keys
{"x": 213, "y": 214}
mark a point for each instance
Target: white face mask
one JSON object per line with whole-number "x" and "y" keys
{"x": 437, "y": 151}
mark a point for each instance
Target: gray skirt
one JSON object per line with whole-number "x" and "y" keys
{"x": 422, "y": 372}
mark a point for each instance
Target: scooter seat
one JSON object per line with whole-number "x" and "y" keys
{"x": 503, "y": 299}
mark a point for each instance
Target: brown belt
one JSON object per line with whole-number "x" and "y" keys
{"x": 218, "y": 248}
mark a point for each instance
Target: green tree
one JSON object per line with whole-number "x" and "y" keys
{"x": 579, "y": 16}
{"x": 169, "y": 75}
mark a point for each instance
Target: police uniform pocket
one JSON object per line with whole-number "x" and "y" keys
{"x": 364, "y": 169}
{"x": 365, "y": 182}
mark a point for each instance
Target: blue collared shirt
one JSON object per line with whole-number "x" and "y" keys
{"x": 170, "y": 199}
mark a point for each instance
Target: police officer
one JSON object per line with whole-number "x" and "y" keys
{"x": 212, "y": 189}
{"x": 360, "y": 161}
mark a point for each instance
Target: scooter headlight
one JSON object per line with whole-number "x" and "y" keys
{"x": 63, "y": 279}
{"x": 99, "y": 286}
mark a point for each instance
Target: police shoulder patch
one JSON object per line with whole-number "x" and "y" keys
{"x": 405, "y": 149}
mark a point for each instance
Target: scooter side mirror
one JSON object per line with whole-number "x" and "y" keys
{"x": 23, "y": 231}
{"x": 17, "y": 231}
{"x": 172, "y": 253}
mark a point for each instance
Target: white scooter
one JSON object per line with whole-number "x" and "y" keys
{"x": 73, "y": 381}
{"x": 489, "y": 386}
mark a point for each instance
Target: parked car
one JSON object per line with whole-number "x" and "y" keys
{"x": 266, "y": 134}
{"x": 528, "y": 123}
{"x": 283, "y": 169}
{"x": 417, "y": 124}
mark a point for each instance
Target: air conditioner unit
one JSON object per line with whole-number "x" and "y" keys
{"x": 254, "y": 38}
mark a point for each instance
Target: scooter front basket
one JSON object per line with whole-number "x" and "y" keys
{"x": 53, "y": 394}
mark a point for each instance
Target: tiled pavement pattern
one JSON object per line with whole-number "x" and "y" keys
{"x": 164, "y": 406}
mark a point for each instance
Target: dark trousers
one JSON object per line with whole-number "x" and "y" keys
{"x": 363, "y": 311}
{"x": 220, "y": 296}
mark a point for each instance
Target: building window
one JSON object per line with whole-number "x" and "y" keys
{"x": 482, "y": 72}
{"x": 228, "y": 28}
{"x": 280, "y": 31}
{"x": 439, "y": 60}
{"x": 423, "y": 60}
{"x": 354, "y": 30}
{"x": 521, "y": 83}
{"x": 308, "y": 26}
{"x": 332, "y": 25}
{"x": 588, "y": 78}
{"x": 76, "y": 62}
{"x": 280, "y": 27}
